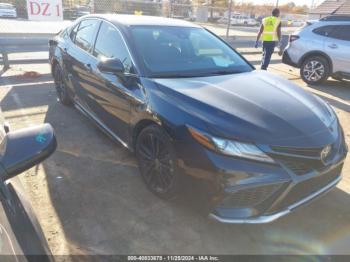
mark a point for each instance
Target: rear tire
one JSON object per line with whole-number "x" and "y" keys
{"x": 61, "y": 89}
{"x": 158, "y": 163}
{"x": 315, "y": 70}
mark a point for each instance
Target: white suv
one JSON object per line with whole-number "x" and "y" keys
{"x": 321, "y": 49}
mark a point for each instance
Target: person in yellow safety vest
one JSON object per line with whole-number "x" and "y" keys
{"x": 270, "y": 30}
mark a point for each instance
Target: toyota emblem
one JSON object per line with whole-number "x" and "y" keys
{"x": 325, "y": 152}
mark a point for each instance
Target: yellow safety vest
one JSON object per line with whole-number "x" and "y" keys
{"x": 270, "y": 24}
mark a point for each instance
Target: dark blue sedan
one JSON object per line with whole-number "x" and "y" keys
{"x": 188, "y": 104}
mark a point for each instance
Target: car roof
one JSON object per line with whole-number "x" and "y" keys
{"x": 131, "y": 20}
{"x": 322, "y": 23}
{"x": 311, "y": 24}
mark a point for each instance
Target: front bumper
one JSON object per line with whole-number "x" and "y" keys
{"x": 272, "y": 217}
{"x": 243, "y": 191}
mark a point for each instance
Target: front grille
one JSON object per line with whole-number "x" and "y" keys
{"x": 311, "y": 152}
{"x": 250, "y": 197}
{"x": 301, "y": 160}
{"x": 307, "y": 187}
{"x": 301, "y": 167}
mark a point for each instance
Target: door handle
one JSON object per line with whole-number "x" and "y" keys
{"x": 333, "y": 46}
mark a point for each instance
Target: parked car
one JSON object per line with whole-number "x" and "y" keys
{"x": 321, "y": 49}
{"x": 188, "y": 104}
{"x": 239, "y": 20}
{"x": 21, "y": 235}
{"x": 7, "y": 10}
{"x": 243, "y": 20}
{"x": 297, "y": 23}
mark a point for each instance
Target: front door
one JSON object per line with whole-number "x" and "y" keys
{"x": 111, "y": 95}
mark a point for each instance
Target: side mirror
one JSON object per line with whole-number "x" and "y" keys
{"x": 25, "y": 148}
{"x": 111, "y": 66}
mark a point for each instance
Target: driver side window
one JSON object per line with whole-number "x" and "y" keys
{"x": 109, "y": 44}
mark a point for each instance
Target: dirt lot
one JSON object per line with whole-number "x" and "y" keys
{"x": 90, "y": 199}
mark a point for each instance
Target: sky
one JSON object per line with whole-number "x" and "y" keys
{"x": 297, "y": 2}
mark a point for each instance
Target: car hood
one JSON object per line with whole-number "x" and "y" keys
{"x": 257, "y": 107}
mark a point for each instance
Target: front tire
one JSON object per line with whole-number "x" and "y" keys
{"x": 157, "y": 162}
{"x": 315, "y": 70}
{"x": 61, "y": 89}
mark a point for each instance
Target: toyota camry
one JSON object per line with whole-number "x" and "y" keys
{"x": 189, "y": 105}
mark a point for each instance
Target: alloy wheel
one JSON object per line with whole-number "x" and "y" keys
{"x": 313, "y": 71}
{"x": 156, "y": 163}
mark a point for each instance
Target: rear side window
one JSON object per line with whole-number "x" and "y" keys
{"x": 109, "y": 44}
{"x": 341, "y": 32}
{"x": 85, "y": 36}
{"x": 324, "y": 30}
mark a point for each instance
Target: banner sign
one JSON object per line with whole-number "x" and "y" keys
{"x": 45, "y": 10}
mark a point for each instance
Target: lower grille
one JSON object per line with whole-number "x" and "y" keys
{"x": 307, "y": 187}
{"x": 250, "y": 197}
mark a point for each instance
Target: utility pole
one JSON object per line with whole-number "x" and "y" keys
{"x": 229, "y": 19}
{"x": 170, "y": 7}
{"x": 277, "y": 3}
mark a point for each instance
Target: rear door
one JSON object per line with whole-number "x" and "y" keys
{"x": 80, "y": 59}
{"x": 337, "y": 46}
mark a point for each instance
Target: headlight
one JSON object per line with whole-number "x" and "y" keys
{"x": 229, "y": 147}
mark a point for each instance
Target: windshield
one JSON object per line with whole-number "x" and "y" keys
{"x": 169, "y": 51}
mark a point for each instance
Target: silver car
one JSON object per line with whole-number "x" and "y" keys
{"x": 8, "y": 10}
{"x": 321, "y": 49}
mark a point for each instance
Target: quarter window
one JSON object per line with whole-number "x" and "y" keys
{"x": 109, "y": 44}
{"x": 86, "y": 34}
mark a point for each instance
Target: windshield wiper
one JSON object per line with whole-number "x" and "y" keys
{"x": 225, "y": 72}
{"x": 174, "y": 76}
{"x": 204, "y": 74}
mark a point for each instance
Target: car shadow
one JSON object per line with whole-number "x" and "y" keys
{"x": 340, "y": 89}
{"x": 26, "y": 78}
{"x": 103, "y": 207}
{"x": 336, "y": 103}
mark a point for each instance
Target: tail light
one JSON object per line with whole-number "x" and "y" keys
{"x": 292, "y": 38}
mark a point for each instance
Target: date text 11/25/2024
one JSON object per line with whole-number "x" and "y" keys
{"x": 173, "y": 258}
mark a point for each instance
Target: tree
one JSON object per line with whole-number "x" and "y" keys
{"x": 218, "y": 4}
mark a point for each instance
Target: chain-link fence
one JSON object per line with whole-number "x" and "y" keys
{"x": 217, "y": 15}
{"x": 212, "y": 11}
